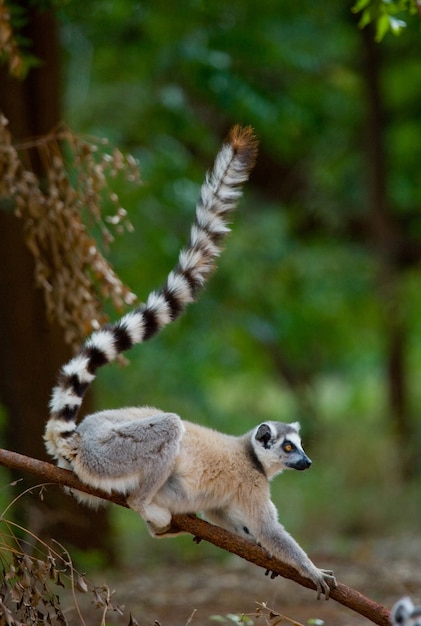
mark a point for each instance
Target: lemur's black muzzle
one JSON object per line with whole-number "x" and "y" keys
{"x": 300, "y": 463}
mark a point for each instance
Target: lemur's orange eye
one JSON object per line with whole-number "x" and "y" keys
{"x": 287, "y": 447}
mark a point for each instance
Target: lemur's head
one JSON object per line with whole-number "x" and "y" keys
{"x": 278, "y": 447}
{"x": 404, "y": 613}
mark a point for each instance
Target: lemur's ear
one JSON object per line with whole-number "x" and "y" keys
{"x": 296, "y": 425}
{"x": 264, "y": 434}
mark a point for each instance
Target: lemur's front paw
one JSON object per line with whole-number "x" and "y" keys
{"x": 325, "y": 580}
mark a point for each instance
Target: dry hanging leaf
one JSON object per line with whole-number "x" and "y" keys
{"x": 9, "y": 48}
{"x": 59, "y": 214}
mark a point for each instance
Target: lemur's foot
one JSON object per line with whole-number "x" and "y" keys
{"x": 167, "y": 531}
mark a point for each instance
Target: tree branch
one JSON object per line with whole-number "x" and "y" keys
{"x": 347, "y": 596}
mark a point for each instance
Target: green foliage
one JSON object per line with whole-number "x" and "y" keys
{"x": 294, "y": 323}
{"x": 297, "y": 299}
{"x": 231, "y": 618}
{"x": 384, "y": 15}
{"x": 270, "y": 618}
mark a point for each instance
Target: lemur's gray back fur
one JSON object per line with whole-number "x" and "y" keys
{"x": 219, "y": 195}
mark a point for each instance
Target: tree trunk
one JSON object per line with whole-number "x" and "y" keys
{"x": 32, "y": 349}
{"x": 387, "y": 243}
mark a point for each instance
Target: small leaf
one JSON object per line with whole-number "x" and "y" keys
{"x": 382, "y": 27}
{"x": 396, "y": 25}
{"x": 366, "y": 18}
{"x": 81, "y": 584}
{"x": 360, "y": 5}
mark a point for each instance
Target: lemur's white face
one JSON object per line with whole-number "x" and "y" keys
{"x": 278, "y": 447}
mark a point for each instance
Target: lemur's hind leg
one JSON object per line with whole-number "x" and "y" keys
{"x": 131, "y": 450}
{"x": 157, "y": 517}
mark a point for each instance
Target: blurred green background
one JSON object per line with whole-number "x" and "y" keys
{"x": 315, "y": 311}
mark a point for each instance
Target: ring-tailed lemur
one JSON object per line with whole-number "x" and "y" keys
{"x": 404, "y": 613}
{"x": 165, "y": 465}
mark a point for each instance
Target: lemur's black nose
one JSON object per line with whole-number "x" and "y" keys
{"x": 303, "y": 463}
{"x": 306, "y": 462}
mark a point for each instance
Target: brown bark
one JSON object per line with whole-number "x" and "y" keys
{"x": 390, "y": 245}
{"x": 343, "y": 594}
{"x": 32, "y": 349}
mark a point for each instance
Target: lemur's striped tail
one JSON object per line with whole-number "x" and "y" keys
{"x": 219, "y": 195}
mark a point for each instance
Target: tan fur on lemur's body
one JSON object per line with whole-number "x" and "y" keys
{"x": 163, "y": 464}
